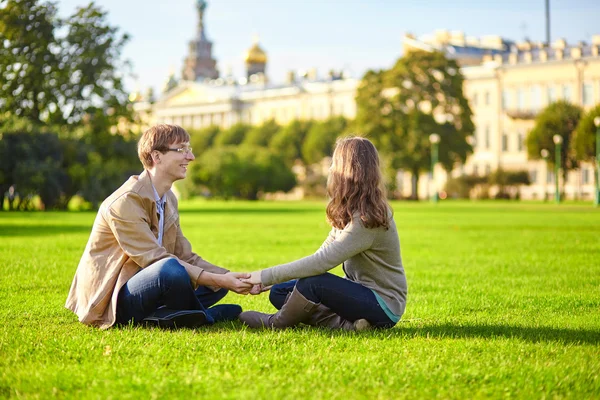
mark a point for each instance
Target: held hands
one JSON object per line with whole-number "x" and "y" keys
{"x": 235, "y": 281}
{"x": 256, "y": 281}
{"x": 254, "y": 278}
{"x": 243, "y": 282}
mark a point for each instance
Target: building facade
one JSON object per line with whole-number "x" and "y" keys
{"x": 506, "y": 83}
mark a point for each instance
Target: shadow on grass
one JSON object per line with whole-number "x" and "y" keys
{"x": 43, "y": 230}
{"x": 448, "y": 331}
{"x": 530, "y": 334}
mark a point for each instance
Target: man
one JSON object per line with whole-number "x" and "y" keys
{"x": 137, "y": 266}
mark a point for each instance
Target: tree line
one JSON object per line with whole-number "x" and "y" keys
{"x": 65, "y": 119}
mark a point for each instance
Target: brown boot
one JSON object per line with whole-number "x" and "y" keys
{"x": 296, "y": 309}
{"x": 324, "y": 317}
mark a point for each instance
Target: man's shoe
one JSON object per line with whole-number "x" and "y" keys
{"x": 175, "y": 319}
{"x": 224, "y": 312}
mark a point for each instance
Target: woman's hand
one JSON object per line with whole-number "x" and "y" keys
{"x": 254, "y": 278}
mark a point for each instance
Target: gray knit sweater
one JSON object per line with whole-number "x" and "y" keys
{"x": 370, "y": 257}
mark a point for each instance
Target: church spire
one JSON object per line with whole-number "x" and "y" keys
{"x": 199, "y": 64}
{"x": 201, "y": 6}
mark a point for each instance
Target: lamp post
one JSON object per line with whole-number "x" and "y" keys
{"x": 597, "y": 196}
{"x": 545, "y": 153}
{"x": 558, "y": 142}
{"x": 434, "y": 138}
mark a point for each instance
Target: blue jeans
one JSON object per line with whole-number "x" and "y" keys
{"x": 348, "y": 299}
{"x": 164, "y": 283}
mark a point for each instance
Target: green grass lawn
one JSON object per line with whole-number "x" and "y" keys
{"x": 504, "y": 301}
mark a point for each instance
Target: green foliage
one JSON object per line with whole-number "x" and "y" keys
{"x": 203, "y": 139}
{"x": 584, "y": 141}
{"x": 460, "y": 187}
{"x": 508, "y": 179}
{"x": 241, "y": 171}
{"x": 288, "y": 141}
{"x": 560, "y": 118}
{"x": 232, "y": 136}
{"x": 399, "y": 108}
{"x": 321, "y": 137}
{"x": 29, "y": 60}
{"x": 56, "y": 79}
{"x": 505, "y": 307}
{"x": 261, "y": 135}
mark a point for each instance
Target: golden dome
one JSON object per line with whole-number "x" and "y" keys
{"x": 255, "y": 55}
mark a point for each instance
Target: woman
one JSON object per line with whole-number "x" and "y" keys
{"x": 363, "y": 237}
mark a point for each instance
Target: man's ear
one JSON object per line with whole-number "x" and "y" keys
{"x": 156, "y": 157}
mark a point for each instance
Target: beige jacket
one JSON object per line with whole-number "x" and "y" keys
{"x": 122, "y": 242}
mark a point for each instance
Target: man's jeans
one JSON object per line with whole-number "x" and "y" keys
{"x": 164, "y": 283}
{"x": 348, "y": 299}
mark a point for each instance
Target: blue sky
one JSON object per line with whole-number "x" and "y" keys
{"x": 326, "y": 34}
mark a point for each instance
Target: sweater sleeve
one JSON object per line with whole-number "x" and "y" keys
{"x": 354, "y": 239}
{"x": 329, "y": 240}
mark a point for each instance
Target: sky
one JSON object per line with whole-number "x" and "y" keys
{"x": 351, "y": 35}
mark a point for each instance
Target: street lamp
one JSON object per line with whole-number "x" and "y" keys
{"x": 434, "y": 138}
{"x": 558, "y": 142}
{"x": 545, "y": 153}
{"x": 597, "y": 197}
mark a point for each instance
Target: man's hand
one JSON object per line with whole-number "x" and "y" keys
{"x": 258, "y": 289}
{"x": 234, "y": 281}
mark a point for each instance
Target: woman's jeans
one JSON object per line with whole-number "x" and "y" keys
{"x": 164, "y": 283}
{"x": 348, "y": 299}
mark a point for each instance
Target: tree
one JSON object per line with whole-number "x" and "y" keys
{"x": 261, "y": 135}
{"x": 560, "y": 118}
{"x": 399, "y": 108}
{"x": 52, "y": 79}
{"x": 584, "y": 140}
{"x": 508, "y": 179}
{"x": 241, "y": 171}
{"x": 232, "y": 136}
{"x": 29, "y": 60}
{"x": 288, "y": 141}
{"x": 91, "y": 68}
{"x": 203, "y": 139}
{"x": 321, "y": 138}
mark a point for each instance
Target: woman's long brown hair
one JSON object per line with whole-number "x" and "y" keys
{"x": 355, "y": 185}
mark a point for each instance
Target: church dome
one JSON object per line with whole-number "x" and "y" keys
{"x": 255, "y": 55}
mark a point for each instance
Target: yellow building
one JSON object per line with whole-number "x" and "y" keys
{"x": 507, "y": 84}
{"x": 225, "y": 102}
{"x": 506, "y": 92}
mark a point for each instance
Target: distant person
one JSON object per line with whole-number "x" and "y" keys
{"x": 363, "y": 238}
{"x": 137, "y": 266}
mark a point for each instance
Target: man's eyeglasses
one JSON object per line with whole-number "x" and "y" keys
{"x": 183, "y": 150}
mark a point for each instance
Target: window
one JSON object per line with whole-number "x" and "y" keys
{"x": 520, "y": 142}
{"x": 520, "y": 99}
{"x": 474, "y": 99}
{"x": 505, "y": 142}
{"x": 566, "y": 92}
{"x": 505, "y": 99}
{"x": 488, "y": 169}
{"x": 487, "y": 98}
{"x": 549, "y": 177}
{"x": 533, "y": 175}
{"x": 588, "y": 94}
{"x": 487, "y": 136}
{"x": 536, "y": 98}
{"x": 585, "y": 176}
{"x": 551, "y": 95}
{"x": 475, "y": 170}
